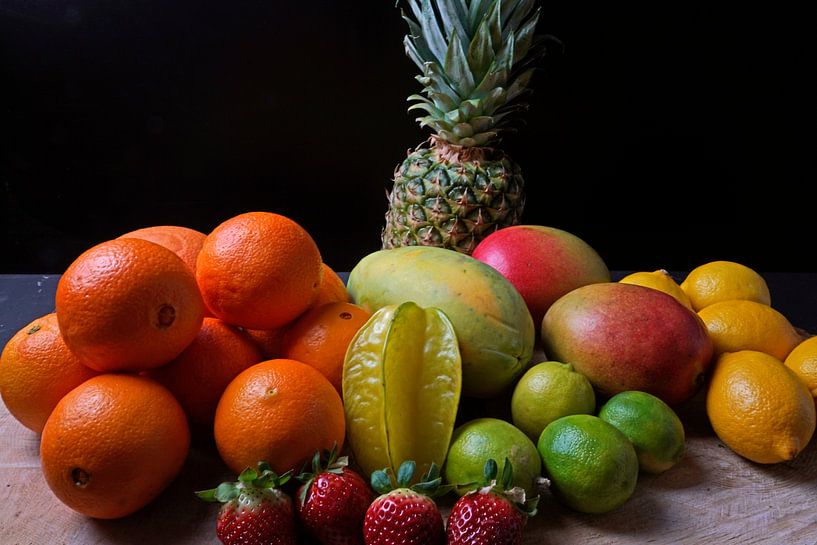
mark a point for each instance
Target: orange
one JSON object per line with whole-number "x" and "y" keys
{"x": 113, "y": 444}
{"x": 321, "y": 336}
{"x": 746, "y": 325}
{"x": 268, "y": 340}
{"x": 182, "y": 241}
{"x": 332, "y": 288}
{"x": 280, "y": 411}
{"x": 259, "y": 270}
{"x": 199, "y": 375}
{"x": 759, "y": 408}
{"x": 128, "y": 304}
{"x": 803, "y": 361}
{"x": 37, "y": 370}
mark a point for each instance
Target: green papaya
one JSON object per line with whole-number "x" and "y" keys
{"x": 492, "y": 323}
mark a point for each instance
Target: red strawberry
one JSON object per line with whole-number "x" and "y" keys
{"x": 492, "y": 515}
{"x": 255, "y": 511}
{"x": 403, "y": 515}
{"x": 333, "y": 501}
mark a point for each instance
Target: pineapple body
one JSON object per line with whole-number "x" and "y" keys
{"x": 476, "y": 61}
{"x": 452, "y": 197}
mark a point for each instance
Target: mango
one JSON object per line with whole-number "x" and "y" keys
{"x": 627, "y": 337}
{"x": 543, "y": 263}
{"x": 492, "y": 323}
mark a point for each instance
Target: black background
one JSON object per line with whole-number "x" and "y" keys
{"x": 663, "y": 136}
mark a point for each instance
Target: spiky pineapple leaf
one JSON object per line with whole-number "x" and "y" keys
{"x": 476, "y": 12}
{"x": 463, "y": 130}
{"x": 442, "y": 101}
{"x": 481, "y": 139}
{"x": 417, "y": 41}
{"x": 505, "y": 57}
{"x": 470, "y": 108}
{"x": 454, "y": 17}
{"x": 456, "y": 67}
{"x": 413, "y": 53}
{"x": 482, "y": 123}
{"x": 431, "y": 31}
{"x": 494, "y": 19}
{"x": 495, "y": 77}
{"x": 520, "y": 84}
{"x": 521, "y": 10}
{"x": 481, "y": 52}
{"x": 496, "y": 98}
{"x": 523, "y": 38}
{"x": 425, "y": 104}
{"x": 438, "y": 80}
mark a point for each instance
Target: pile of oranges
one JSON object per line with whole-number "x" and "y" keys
{"x": 166, "y": 335}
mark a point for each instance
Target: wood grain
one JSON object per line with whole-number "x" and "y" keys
{"x": 712, "y": 496}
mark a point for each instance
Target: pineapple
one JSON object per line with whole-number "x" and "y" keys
{"x": 476, "y": 59}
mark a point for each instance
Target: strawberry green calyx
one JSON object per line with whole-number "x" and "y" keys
{"x": 334, "y": 465}
{"x": 261, "y": 478}
{"x": 429, "y": 485}
{"x": 504, "y": 487}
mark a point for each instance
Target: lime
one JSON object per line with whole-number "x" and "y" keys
{"x": 477, "y": 441}
{"x": 654, "y": 429}
{"x": 592, "y": 466}
{"x": 549, "y": 391}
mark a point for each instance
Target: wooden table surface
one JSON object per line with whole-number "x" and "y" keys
{"x": 712, "y": 496}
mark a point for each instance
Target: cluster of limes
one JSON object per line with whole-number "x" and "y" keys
{"x": 591, "y": 459}
{"x": 166, "y": 335}
{"x": 760, "y": 398}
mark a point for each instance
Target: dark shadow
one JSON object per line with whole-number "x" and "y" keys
{"x": 177, "y": 514}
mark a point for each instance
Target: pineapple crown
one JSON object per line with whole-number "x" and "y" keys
{"x": 477, "y": 58}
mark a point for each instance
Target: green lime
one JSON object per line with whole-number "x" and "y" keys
{"x": 654, "y": 429}
{"x": 549, "y": 391}
{"x": 592, "y": 466}
{"x": 477, "y": 441}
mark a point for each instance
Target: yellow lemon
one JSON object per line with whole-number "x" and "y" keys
{"x": 759, "y": 408}
{"x": 659, "y": 280}
{"x": 722, "y": 281}
{"x": 747, "y": 325}
{"x": 803, "y": 361}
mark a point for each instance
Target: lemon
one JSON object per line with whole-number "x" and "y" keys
{"x": 401, "y": 387}
{"x": 723, "y": 281}
{"x": 548, "y": 391}
{"x": 651, "y": 425}
{"x": 746, "y": 325}
{"x": 592, "y": 466}
{"x": 479, "y": 440}
{"x": 659, "y": 280}
{"x": 759, "y": 408}
{"x": 803, "y": 361}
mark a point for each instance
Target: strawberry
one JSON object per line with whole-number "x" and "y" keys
{"x": 494, "y": 514}
{"x": 333, "y": 501}
{"x": 255, "y": 511}
{"x": 405, "y": 515}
